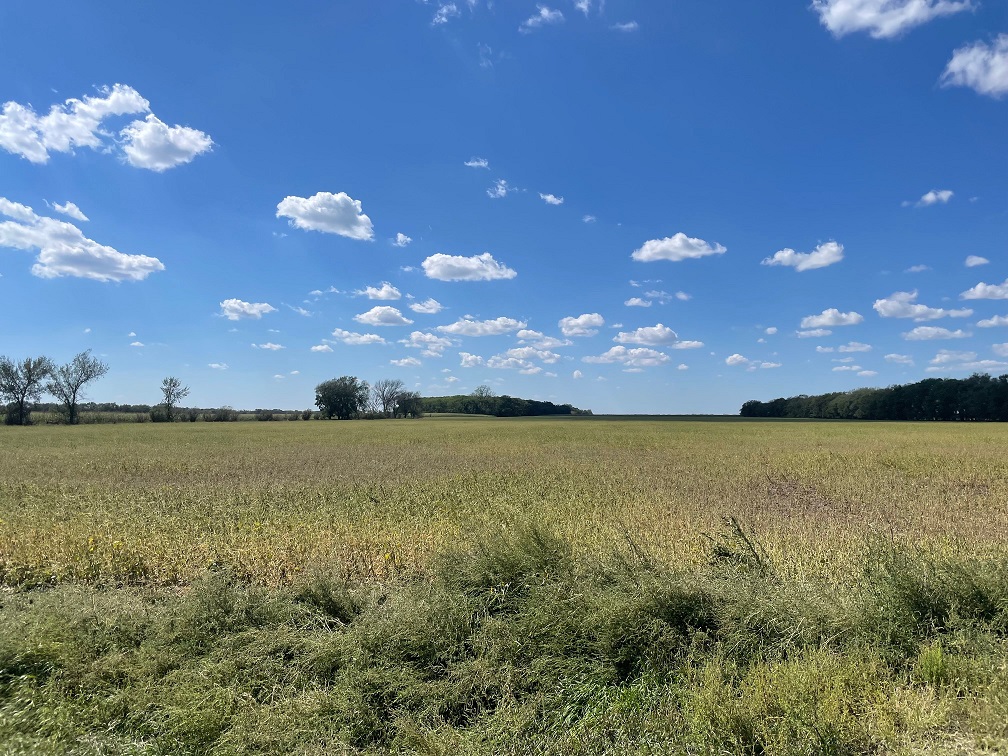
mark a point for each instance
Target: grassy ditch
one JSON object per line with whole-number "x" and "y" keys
{"x": 518, "y": 645}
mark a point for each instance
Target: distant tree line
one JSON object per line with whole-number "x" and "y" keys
{"x": 349, "y": 398}
{"x": 977, "y": 398}
{"x": 483, "y": 401}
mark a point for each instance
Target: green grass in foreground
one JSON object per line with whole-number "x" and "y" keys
{"x": 518, "y": 646}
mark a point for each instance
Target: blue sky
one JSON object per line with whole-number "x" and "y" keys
{"x": 629, "y": 206}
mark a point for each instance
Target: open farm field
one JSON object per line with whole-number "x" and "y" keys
{"x": 504, "y": 586}
{"x": 144, "y": 504}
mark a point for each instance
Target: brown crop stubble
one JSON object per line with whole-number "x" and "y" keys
{"x": 159, "y": 504}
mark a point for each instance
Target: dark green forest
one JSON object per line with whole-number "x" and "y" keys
{"x": 977, "y": 398}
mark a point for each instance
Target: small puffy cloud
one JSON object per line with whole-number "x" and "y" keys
{"x": 138, "y": 344}
{"x": 156, "y": 146}
{"x": 846, "y": 368}
{"x": 625, "y": 26}
{"x": 736, "y": 359}
{"x": 828, "y": 253}
{"x": 75, "y": 123}
{"x": 637, "y": 302}
{"x": 929, "y": 333}
{"x": 583, "y": 5}
{"x": 855, "y": 346}
{"x": 551, "y": 199}
{"x": 640, "y": 357}
{"x": 300, "y": 311}
{"x": 825, "y": 350}
{"x": 269, "y": 346}
{"x": 468, "y": 360}
{"x": 867, "y": 373}
{"x": 682, "y": 296}
{"x": 406, "y": 362}
{"x": 477, "y": 162}
{"x": 588, "y": 219}
{"x": 218, "y": 365}
{"x": 329, "y": 213}
{"x": 831, "y": 318}
{"x": 432, "y": 344}
{"x": 934, "y": 197}
{"x": 982, "y": 67}
{"x": 899, "y": 359}
{"x": 469, "y": 326}
{"x": 235, "y": 309}
{"x": 383, "y": 315}
{"x": 458, "y": 268}
{"x": 882, "y": 19}
{"x": 770, "y": 331}
{"x": 64, "y": 251}
{"x": 71, "y": 210}
{"x": 917, "y": 268}
{"x": 540, "y": 340}
{"x": 987, "y": 291}
{"x": 385, "y": 291}
{"x": 997, "y": 320}
{"x": 1001, "y": 350}
{"x": 357, "y": 339}
{"x": 401, "y": 240}
{"x": 676, "y": 248}
{"x": 427, "y": 307}
{"x": 321, "y": 348}
{"x": 545, "y": 16}
{"x": 499, "y": 190}
{"x": 583, "y": 325}
{"x": 814, "y": 333}
{"x": 945, "y": 356}
{"x": 974, "y": 261}
{"x": 656, "y": 335}
{"x": 577, "y": 375}
{"x": 902, "y": 304}
{"x": 682, "y": 366}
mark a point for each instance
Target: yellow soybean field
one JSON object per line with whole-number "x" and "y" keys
{"x": 159, "y": 504}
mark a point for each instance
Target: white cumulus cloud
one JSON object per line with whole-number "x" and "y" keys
{"x": 736, "y": 359}
{"x": 982, "y": 67}
{"x": 458, "y": 268}
{"x": 406, "y": 362}
{"x": 477, "y": 162}
{"x": 899, "y": 359}
{"x": 64, "y": 251}
{"x": 401, "y": 240}
{"x": 235, "y": 309}
{"x": 156, "y": 146}
{"x": 903, "y": 304}
{"x": 269, "y": 346}
{"x": 882, "y": 19}
{"x": 828, "y": 253}
{"x": 429, "y": 306}
{"x": 640, "y": 357}
{"x": 551, "y": 199}
{"x": 469, "y": 326}
{"x": 814, "y": 333}
{"x": 357, "y": 339}
{"x": 383, "y": 315}
{"x": 934, "y": 197}
{"x": 432, "y": 344}
{"x": 583, "y": 325}
{"x": 997, "y": 320}
{"x": 321, "y": 348}
{"x": 987, "y": 291}
{"x": 468, "y": 360}
{"x": 973, "y": 261}
{"x": 676, "y": 248}
{"x": 855, "y": 346}
{"x": 929, "y": 333}
{"x": 831, "y": 318}
{"x": 329, "y": 213}
{"x": 637, "y": 302}
{"x": 385, "y": 291}
{"x": 499, "y": 190}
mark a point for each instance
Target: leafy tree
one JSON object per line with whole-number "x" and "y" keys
{"x": 343, "y": 398}
{"x": 410, "y": 404}
{"x": 386, "y": 395}
{"x": 174, "y": 392}
{"x": 67, "y": 382}
{"x": 21, "y": 383}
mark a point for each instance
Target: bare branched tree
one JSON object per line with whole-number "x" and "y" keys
{"x": 67, "y": 382}
{"x": 386, "y": 395}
